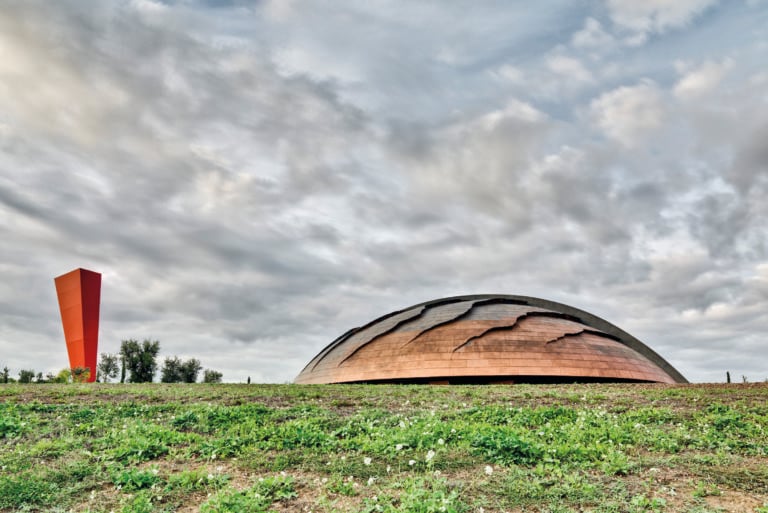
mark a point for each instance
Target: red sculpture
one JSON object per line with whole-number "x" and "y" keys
{"x": 79, "y": 294}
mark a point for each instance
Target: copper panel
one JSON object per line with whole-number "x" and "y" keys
{"x": 491, "y": 336}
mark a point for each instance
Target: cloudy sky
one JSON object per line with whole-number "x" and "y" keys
{"x": 254, "y": 178}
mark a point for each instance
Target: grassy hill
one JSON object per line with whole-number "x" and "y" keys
{"x": 254, "y": 448}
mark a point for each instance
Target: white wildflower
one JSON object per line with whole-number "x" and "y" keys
{"x": 430, "y": 455}
{"x": 488, "y": 470}
{"x": 371, "y": 480}
{"x": 411, "y": 462}
{"x": 388, "y": 469}
{"x": 402, "y": 425}
{"x": 440, "y": 441}
{"x": 367, "y": 460}
{"x": 210, "y": 476}
{"x": 399, "y": 447}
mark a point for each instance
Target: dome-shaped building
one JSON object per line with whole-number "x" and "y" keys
{"x": 488, "y": 339}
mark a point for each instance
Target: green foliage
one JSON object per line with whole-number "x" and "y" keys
{"x": 152, "y": 447}
{"x": 63, "y": 376}
{"x": 140, "y": 359}
{"x": 132, "y": 479}
{"x": 25, "y": 490}
{"x": 141, "y": 443}
{"x": 186, "y": 421}
{"x": 504, "y": 446}
{"x": 419, "y": 495}
{"x": 175, "y": 370}
{"x": 171, "y": 370}
{"x": 704, "y": 489}
{"x": 616, "y": 463}
{"x": 108, "y": 367}
{"x": 26, "y": 376}
{"x": 642, "y": 503}
{"x": 11, "y": 426}
{"x": 139, "y": 503}
{"x": 196, "y": 480}
{"x": 80, "y": 374}
{"x": 212, "y": 376}
{"x": 342, "y": 486}
{"x": 257, "y": 499}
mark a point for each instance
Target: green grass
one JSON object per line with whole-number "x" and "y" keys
{"x": 260, "y": 448}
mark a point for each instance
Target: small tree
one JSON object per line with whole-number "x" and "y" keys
{"x": 175, "y": 370}
{"x": 81, "y": 374}
{"x": 212, "y": 376}
{"x": 139, "y": 359}
{"x": 26, "y": 376}
{"x": 64, "y": 376}
{"x": 5, "y": 374}
{"x": 189, "y": 370}
{"x": 107, "y": 368}
{"x": 171, "y": 370}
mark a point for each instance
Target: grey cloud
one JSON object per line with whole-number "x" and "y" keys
{"x": 750, "y": 167}
{"x": 253, "y": 180}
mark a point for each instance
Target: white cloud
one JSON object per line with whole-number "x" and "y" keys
{"x": 700, "y": 80}
{"x": 510, "y": 74}
{"x": 473, "y": 159}
{"x": 629, "y": 113}
{"x": 569, "y": 68}
{"x": 253, "y": 182}
{"x": 655, "y": 16}
{"x": 148, "y": 6}
{"x": 592, "y": 36}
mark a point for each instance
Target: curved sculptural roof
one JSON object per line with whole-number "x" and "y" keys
{"x": 485, "y": 339}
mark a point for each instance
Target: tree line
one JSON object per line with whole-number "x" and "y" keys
{"x": 136, "y": 362}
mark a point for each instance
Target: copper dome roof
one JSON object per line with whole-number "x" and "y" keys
{"x": 486, "y": 339}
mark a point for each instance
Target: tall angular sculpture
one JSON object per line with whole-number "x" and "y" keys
{"x": 79, "y": 294}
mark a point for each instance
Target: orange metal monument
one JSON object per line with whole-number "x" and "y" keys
{"x": 488, "y": 339}
{"x": 79, "y": 294}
